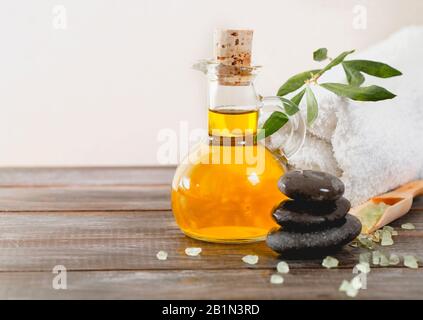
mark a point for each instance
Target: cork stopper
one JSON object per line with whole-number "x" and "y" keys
{"x": 233, "y": 47}
{"x": 233, "y": 53}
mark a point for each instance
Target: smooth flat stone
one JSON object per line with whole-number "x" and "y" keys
{"x": 316, "y": 243}
{"x": 311, "y": 185}
{"x": 305, "y": 215}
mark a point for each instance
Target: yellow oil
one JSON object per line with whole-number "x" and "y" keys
{"x": 232, "y": 122}
{"x": 218, "y": 198}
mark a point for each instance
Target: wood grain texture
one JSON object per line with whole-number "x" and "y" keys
{"x": 85, "y": 176}
{"x": 105, "y": 225}
{"x": 130, "y": 241}
{"x": 211, "y": 284}
{"x": 85, "y": 198}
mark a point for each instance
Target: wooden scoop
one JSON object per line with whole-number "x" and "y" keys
{"x": 399, "y": 201}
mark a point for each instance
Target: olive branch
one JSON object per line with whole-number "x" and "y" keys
{"x": 299, "y": 86}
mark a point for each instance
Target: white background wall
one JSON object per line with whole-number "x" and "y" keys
{"x": 99, "y": 91}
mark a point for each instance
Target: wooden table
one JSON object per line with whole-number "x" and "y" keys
{"x": 105, "y": 225}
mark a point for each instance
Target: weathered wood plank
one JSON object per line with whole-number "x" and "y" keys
{"x": 116, "y": 225}
{"x": 130, "y": 241}
{"x": 85, "y": 176}
{"x": 93, "y": 198}
{"x": 140, "y": 254}
{"x": 105, "y": 225}
{"x": 90, "y": 198}
{"x": 418, "y": 203}
{"x": 394, "y": 283}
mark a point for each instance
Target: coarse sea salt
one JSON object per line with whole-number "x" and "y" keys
{"x": 330, "y": 262}
{"x": 408, "y": 226}
{"x": 348, "y": 288}
{"x": 394, "y": 259}
{"x": 276, "y": 279}
{"x": 376, "y": 256}
{"x": 161, "y": 255}
{"x": 282, "y": 267}
{"x": 410, "y": 262}
{"x": 250, "y": 259}
{"x": 356, "y": 282}
{"x": 384, "y": 261}
{"x": 363, "y": 267}
{"x": 365, "y": 257}
{"x": 192, "y": 252}
{"x": 386, "y": 239}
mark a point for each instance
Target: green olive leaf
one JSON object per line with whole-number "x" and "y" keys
{"x": 290, "y": 106}
{"x": 298, "y": 97}
{"x": 371, "y": 93}
{"x": 295, "y": 82}
{"x": 335, "y": 61}
{"x": 320, "y": 54}
{"x": 276, "y": 121}
{"x": 373, "y": 68}
{"x": 354, "y": 77}
{"x": 312, "y": 107}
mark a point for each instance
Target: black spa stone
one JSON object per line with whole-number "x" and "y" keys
{"x": 306, "y": 215}
{"x": 313, "y": 244}
{"x": 310, "y": 185}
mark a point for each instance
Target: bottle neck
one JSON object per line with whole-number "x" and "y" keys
{"x": 233, "y": 110}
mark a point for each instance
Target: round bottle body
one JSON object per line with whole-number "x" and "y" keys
{"x": 227, "y": 193}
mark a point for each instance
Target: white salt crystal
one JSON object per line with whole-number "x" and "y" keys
{"x": 384, "y": 261}
{"x": 363, "y": 267}
{"x": 364, "y": 257}
{"x": 386, "y": 238}
{"x": 394, "y": 259}
{"x": 250, "y": 259}
{"x": 410, "y": 262}
{"x": 348, "y": 288}
{"x": 276, "y": 279}
{"x": 408, "y": 226}
{"x": 356, "y": 282}
{"x": 161, "y": 255}
{"x": 376, "y": 257}
{"x": 282, "y": 267}
{"x": 330, "y": 262}
{"x": 192, "y": 252}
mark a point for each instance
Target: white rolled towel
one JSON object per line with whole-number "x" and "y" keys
{"x": 372, "y": 146}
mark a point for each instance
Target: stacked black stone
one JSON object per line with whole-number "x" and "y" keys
{"x": 316, "y": 221}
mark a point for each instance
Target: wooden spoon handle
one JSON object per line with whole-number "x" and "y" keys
{"x": 410, "y": 189}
